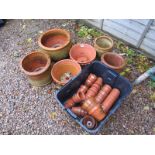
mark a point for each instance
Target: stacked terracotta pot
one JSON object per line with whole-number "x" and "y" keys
{"x": 93, "y": 100}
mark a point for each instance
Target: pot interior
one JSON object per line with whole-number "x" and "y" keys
{"x": 104, "y": 42}
{"x": 113, "y": 60}
{"x": 83, "y": 54}
{"x": 34, "y": 62}
{"x": 61, "y": 68}
{"x": 54, "y": 40}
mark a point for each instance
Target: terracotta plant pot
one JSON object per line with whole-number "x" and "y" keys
{"x": 110, "y": 100}
{"x": 83, "y": 89}
{"x": 82, "y": 53}
{"x": 56, "y": 43}
{"x": 69, "y": 103}
{"x": 79, "y": 111}
{"x": 114, "y": 61}
{"x": 37, "y": 67}
{"x": 62, "y": 67}
{"x": 94, "y": 89}
{"x": 93, "y": 108}
{"x": 91, "y": 79}
{"x": 89, "y": 122}
{"x": 103, "y": 93}
{"x": 103, "y": 44}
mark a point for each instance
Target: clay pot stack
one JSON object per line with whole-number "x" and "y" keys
{"x": 92, "y": 101}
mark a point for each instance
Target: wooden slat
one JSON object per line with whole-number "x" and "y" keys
{"x": 149, "y": 42}
{"x": 120, "y": 35}
{"x": 124, "y": 30}
{"x": 130, "y": 25}
{"x": 95, "y": 22}
{"x": 141, "y": 21}
{"x": 150, "y": 34}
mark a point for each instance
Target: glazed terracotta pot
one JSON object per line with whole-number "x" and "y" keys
{"x": 89, "y": 122}
{"x": 37, "y": 67}
{"x": 79, "y": 111}
{"x": 103, "y": 44}
{"x": 93, "y": 108}
{"x": 62, "y": 67}
{"x": 56, "y": 43}
{"x": 90, "y": 80}
{"x": 110, "y": 100}
{"x": 82, "y": 53}
{"x": 114, "y": 61}
{"x": 103, "y": 93}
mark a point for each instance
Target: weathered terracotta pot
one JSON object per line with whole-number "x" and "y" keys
{"x": 82, "y": 53}
{"x": 62, "y": 67}
{"x": 103, "y": 44}
{"x": 89, "y": 122}
{"x": 94, "y": 89}
{"x": 91, "y": 79}
{"x": 79, "y": 111}
{"x": 110, "y": 100}
{"x": 114, "y": 61}
{"x": 76, "y": 98}
{"x": 103, "y": 93}
{"x": 37, "y": 67}
{"x": 93, "y": 108}
{"x": 56, "y": 43}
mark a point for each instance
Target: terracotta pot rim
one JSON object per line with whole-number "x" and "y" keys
{"x": 48, "y": 63}
{"x": 64, "y": 60}
{"x": 114, "y": 67}
{"x": 107, "y": 37}
{"x": 64, "y": 31}
{"x": 86, "y": 62}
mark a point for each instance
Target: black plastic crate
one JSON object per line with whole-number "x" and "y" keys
{"x": 109, "y": 77}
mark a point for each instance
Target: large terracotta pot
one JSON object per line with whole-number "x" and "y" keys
{"x": 82, "y": 53}
{"x": 56, "y": 43}
{"x": 37, "y": 67}
{"x": 103, "y": 44}
{"x": 114, "y": 61}
{"x": 62, "y": 67}
{"x": 93, "y": 108}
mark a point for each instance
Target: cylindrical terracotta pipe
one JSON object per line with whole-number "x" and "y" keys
{"x": 110, "y": 100}
{"x": 79, "y": 111}
{"x": 103, "y": 93}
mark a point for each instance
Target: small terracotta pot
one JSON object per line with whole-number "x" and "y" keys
{"x": 91, "y": 79}
{"x": 82, "y": 53}
{"x": 114, "y": 61}
{"x": 94, "y": 89}
{"x": 78, "y": 97}
{"x": 37, "y": 66}
{"x": 56, "y": 43}
{"x": 93, "y": 108}
{"x": 89, "y": 122}
{"x": 103, "y": 44}
{"x": 69, "y": 103}
{"x": 110, "y": 100}
{"x": 103, "y": 93}
{"x": 83, "y": 89}
{"x": 62, "y": 67}
{"x": 79, "y": 111}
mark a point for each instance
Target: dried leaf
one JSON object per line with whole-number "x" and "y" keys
{"x": 29, "y": 40}
{"x": 49, "y": 91}
{"x": 146, "y": 108}
{"x": 53, "y": 115}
